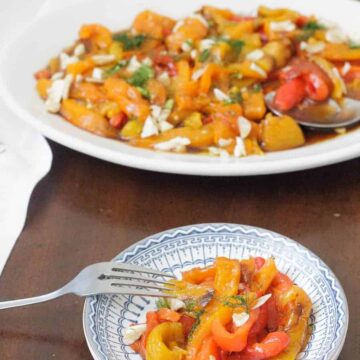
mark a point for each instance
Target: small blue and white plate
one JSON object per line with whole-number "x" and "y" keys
{"x": 179, "y": 249}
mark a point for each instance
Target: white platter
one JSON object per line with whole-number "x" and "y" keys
{"x": 56, "y": 27}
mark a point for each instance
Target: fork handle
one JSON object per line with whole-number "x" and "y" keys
{"x": 34, "y": 300}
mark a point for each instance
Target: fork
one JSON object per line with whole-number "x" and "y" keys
{"x": 107, "y": 278}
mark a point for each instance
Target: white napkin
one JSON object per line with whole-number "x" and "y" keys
{"x": 25, "y": 157}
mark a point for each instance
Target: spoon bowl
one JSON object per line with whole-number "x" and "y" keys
{"x": 326, "y": 115}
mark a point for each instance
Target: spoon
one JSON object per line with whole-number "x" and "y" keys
{"x": 326, "y": 116}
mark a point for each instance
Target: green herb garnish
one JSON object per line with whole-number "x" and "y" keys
{"x": 197, "y": 322}
{"x": 116, "y": 68}
{"x": 144, "y": 92}
{"x": 313, "y": 26}
{"x": 236, "y": 45}
{"x": 129, "y": 42}
{"x": 162, "y": 303}
{"x": 142, "y": 76}
{"x": 236, "y": 301}
{"x": 204, "y": 55}
{"x": 169, "y": 104}
{"x": 257, "y": 88}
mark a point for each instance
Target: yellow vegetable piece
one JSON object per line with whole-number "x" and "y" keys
{"x": 263, "y": 278}
{"x": 42, "y": 86}
{"x": 254, "y": 105}
{"x": 280, "y": 133}
{"x": 339, "y": 86}
{"x": 116, "y": 49}
{"x": 277, "y": 14}
{"x": 296, "y": 305}
{"x": 131, "y": 130}
{"x": 193, "y": 121}
{"x": 165, "y": 341}
{"x": 227, "y": 277}
{"x": 340, "y": 52}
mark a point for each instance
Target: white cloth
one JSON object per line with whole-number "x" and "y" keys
{"x": 25, "y": 156}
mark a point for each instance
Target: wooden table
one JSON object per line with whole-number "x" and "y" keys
{"x": 87, "y": 210}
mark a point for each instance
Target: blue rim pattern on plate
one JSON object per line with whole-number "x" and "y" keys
{"x": 197, "y": 245}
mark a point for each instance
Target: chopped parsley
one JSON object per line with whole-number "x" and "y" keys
{"x": 162, "y": 303}
{"x": 129, "y": 42}
{"x": 313, "y": 26}
{"x": 141, "y": 76}
{"x": 169, "y": 104}
{"x": 257, "y": 88}
{"x": 144, "y": 92}
{"x": 309, "y": 29}
{"x": 116, "y": 68}
{"x": 197, "y": 322}
{"x": 236, "y": 301}
{"x": 236, "y": 45}
{"x": 204, "y": 55}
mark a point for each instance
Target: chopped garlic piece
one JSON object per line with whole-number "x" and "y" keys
{"x": 133, "y": 333}
{"x": 225, "y": 142}
{"x": 103, "y": 59}
{"x": 165, "y": 126}
{"x": 193, "y": 54}
{"x": 346, "y": 68}
{"x": 312, "y": 48}
{"x": 261, "y": 301}
{"x": 220, "y": 95}
{"x": 197, "y": 74}
{"x": 178, "y": 25}
{"x": 244, "y": 126}
{"x": 55, "y": 93}
{"x": 240, "y": 319}
{"x": 177, "y": 144}
{"x": 335, "y": 36}
{"x": 212, "y": 357}
{"x": 282, "y": 26}
{"x": 213, "y": 150}
{"x": 206, "y": 44}
{"x": 134, "y": 64}
{"x": 176, "y": 304}
{"x": 258, "y": 69}
{"x": 57, "y": 76}
{"x": 239, "y": 147}
{"x": 79, "y": 78}
{"x": 164, "y": 78}
{"x": 66, "y": 60}
{"x": 155, "y": 111}
{"x": 79, "y": 50}
{"x": 147, "y": 61}
{"x": 97, "y": 73}
{"x": 67, "y": 84}
{"x": 150, "y": 128}
{"x": 186, "y": 46}
{"x": 255, "y": 55}
{"x": 93, "y": 80}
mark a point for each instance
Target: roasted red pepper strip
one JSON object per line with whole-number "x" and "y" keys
{"x": 272, "y": 345}
{"x": 237, "y": 340}
{"x": 290, "y": 94}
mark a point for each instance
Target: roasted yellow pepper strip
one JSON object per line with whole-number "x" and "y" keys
{"x": 296, "y": 319}
{"x": 263, "y": 278}
{"x": 227, "y": 277}
{"x": 164, "y": 342}
{"x": 203, "y": 330}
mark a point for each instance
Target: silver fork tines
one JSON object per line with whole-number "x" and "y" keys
{"x": 107, "y": 278}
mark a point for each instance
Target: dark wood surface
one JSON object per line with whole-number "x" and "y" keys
{"x": 87, "y": 210}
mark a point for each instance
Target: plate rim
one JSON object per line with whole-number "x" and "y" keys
{"x": 218, "y": 226}
{"x": 237, "y": 167}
